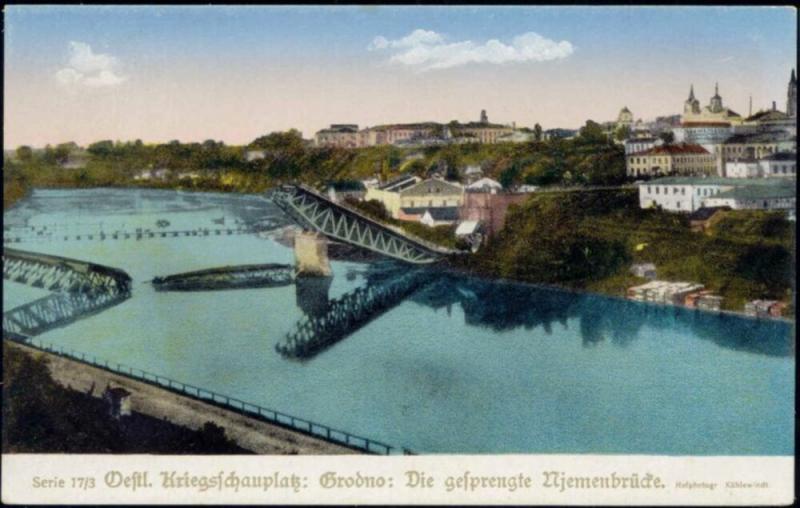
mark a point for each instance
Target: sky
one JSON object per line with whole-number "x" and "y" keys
{"x": 86, "y": 73}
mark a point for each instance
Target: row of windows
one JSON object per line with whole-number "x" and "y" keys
{"x": 413, "y": 204}
{"x": 784, "y": 169}
{"x": 679, "y": 190}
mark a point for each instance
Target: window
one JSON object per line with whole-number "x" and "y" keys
{"x": 648, "y": 189}
{"x": 656, "y": 189}
{"x": 678, "y": 205}
{"x": 683, "y": 191}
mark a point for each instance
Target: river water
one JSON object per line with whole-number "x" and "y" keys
{"x": 460, "y": 366}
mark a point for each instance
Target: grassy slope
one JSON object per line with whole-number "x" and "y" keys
{"x": 588, "y": 240}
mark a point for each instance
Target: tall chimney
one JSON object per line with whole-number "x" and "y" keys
{"x": 773, "y": 106}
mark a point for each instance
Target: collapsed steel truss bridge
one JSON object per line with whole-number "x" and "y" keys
{"x": 315, "y": 212}
{"x": 80, "y": 288}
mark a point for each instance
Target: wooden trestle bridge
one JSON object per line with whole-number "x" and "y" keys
{"x": 315, "y": 212}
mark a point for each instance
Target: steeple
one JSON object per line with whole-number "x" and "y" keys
{"x": 692, "y": 105}
{"x": 793, "y": 79}
{"x": 791, "y": 99}
{"x": 716, "y": 102}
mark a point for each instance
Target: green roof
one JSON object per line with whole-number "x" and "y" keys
{"x": 718, "y": 180}
{"x": 759, "y": 192}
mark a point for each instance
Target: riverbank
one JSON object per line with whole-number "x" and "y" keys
{"x": 246, "y": 435}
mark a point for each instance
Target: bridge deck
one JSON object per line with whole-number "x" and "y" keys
{"x": 242, "y": 276}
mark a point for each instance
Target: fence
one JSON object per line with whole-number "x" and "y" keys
{"x": 270, "y": 415}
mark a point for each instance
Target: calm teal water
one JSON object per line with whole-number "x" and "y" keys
{"x": 461, "y": 366}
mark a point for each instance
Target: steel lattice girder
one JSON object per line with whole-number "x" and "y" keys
{"x": 316, "y": 213}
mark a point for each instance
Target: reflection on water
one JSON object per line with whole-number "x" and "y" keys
{"x": 461, "y": 365}
{"x": 502, "y": 306}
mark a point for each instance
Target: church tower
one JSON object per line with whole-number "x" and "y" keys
{"x": 692, "y": 105}
{"x": 484, "y": 116}
{"x": 791, "y": 101}
{"x": 716, "y": 101}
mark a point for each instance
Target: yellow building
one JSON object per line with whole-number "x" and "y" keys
{"x": 409, "y": 192}
{"x": 682, "y": 159}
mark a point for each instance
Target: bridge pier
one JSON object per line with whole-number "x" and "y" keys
{"x": 311, "y": 255}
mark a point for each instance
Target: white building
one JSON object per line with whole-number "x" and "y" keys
{"x": 687, "y": 194}
{"x": 253, "y": 155}
{"x": 636, "y": 145}
{"x": 778, "y": 165}
{"x": 485, "y": 185}
{"x": 744, "y": 168}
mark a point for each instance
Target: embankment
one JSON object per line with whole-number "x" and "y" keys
{"x": 254, "y": 435}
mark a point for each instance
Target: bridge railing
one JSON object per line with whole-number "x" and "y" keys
{"x": 279, "y": 418}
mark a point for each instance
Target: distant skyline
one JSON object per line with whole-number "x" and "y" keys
{"x": 86, "y": 73}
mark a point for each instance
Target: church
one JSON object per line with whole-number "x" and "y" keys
{"x": 715, "y": 113}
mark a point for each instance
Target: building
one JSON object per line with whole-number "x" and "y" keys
{"x": 550, "y": 134}
{"x": 338, "y": 135}
{"x": 440, "y": 216}
{"x": 342, "y": 190}
{"x": 703, "y": 300}
{"x": 688, "y": 194}
{"x": 757, "y": 197}
{"x": 776, "y": 165}
{"x": 764, "y": 308}
{"x": 389, "y": 192}
{"x": 410, "y": 193}
{"x": 681, "y": 159}
{"x": 516, "y": 137}
{"x": 480, "y": 132}
{"x": 662, "y": 291}
{"x": 489, "y": 208}
{"x": 484, "y": 185}
{"x": 743, "y": 168}
{"x": 781, "y": 164}
{"x": 705, "y": 217}
{"x": 644, "y": 270}
{"x": 624, "y": 119}
{"x": 472, "y": 173}
{"x": 714, "y": 112}
{"x": 118, "y": 402}
{"x": 635, "y": 145}
{"x": 756, "y": 145}
{"x": 254, "y": 155}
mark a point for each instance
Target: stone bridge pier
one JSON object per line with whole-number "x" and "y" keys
{"x": 311, "y": 255}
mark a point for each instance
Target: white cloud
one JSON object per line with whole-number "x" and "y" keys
{"x": 85, "y": 67}
{"x": 427, "y": 50}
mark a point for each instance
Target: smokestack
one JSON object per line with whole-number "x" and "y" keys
{"x": 773, "y": 106}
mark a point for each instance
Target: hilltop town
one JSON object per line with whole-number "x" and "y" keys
{"x": 708, "y": 177}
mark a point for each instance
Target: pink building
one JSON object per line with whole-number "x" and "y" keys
{"x": 490, "y": 208}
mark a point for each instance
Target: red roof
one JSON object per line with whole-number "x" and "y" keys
{"x": 706, "y": 124}
{"x": 682, "y": 148}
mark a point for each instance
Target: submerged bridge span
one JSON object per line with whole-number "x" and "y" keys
{"x": 316, "y": 212}
{"x": 80, "y": 288}
{"x": 56, "y": 273}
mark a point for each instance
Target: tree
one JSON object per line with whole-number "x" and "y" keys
{"x": 592, "y": 132}
{"x": 24, "y": 153}
{"x": 622, "y": 133}
{"x": 101, "y": 148}
{"x": 62, "y": 152}
{"x": 537, "y": 132}
{"x": 667, "y": 137}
